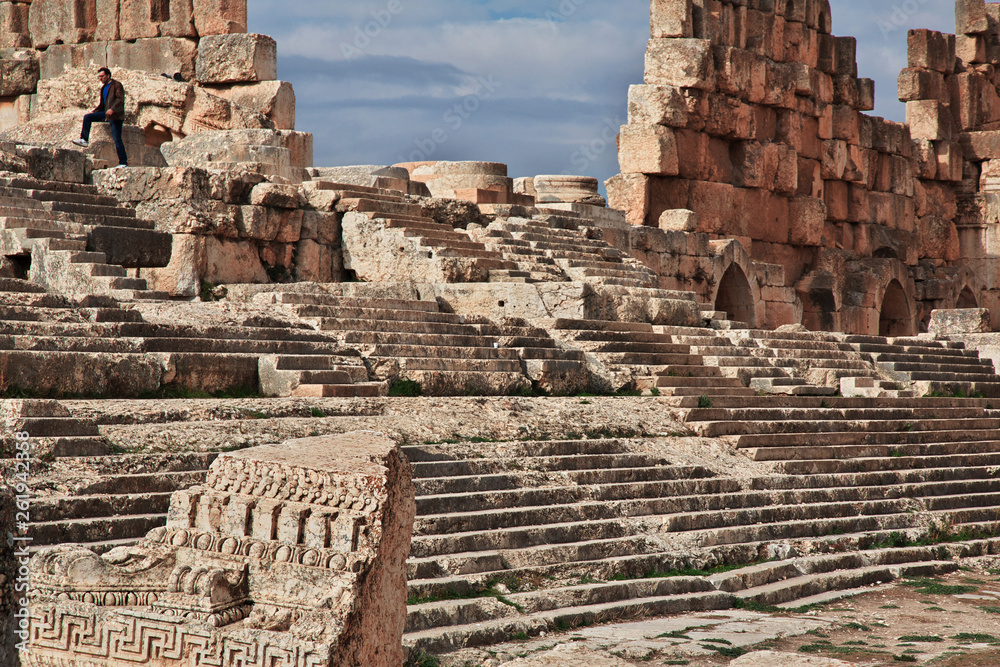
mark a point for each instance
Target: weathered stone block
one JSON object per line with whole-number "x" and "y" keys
{"x": 171, "y": 55}
{"x": 970, "y": 49}
{"x": 274, "y": 99}
{"x": 956, "y": 322}
{"x": 685, "y": 63}
{"x": 671, "y": 18}
{"x": 19, "y": 72}
{"x": 806, "y": 221}
{"x": 629, "y": 193}
{"x": 14, "y": 30}
{"x": 220, "y": 17}
{"x": 714, "y": 203}
{"x": 62, "y": 22}
{"x": 929, "y": 49}
{"x": 921, "y": 84}
{"x": 679, "y": 220}
{"x": 236, "y": 58}
{"x": 646, "y": 149}
{"x": 970, "y": 17}
{"x": 928, "y": 119}
{"x": 143, "y": 19}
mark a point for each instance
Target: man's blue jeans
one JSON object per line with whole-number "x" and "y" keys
{"x": 116, "y": 131}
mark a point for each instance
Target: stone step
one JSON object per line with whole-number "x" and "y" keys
{"x": 688, "y": 507}
{"x": 487, "y": 466}
{"x": 94, "y": 529}
{"x": 52, "y": 510}
{"x": 931, "y": 446}
{"x": 342, "y": 302}
{"x": 516, "y": 479}
{"x": 449, "y": 639}
{"x": 861, "y": 427}
{"x": 352, "y": 390}
{"x": 904, "y": 461}
{"x": 469, "y": 339}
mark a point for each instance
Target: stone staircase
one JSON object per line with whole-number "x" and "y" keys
{"x": 530, "y": 537}
{"x": 53, "y": 431}
{"x": 398, "y": 213}
{"x": 111, "y": 501}
{"x": 114, "y": 351}
{"x": 79, "y": 241}
{"x": 555, "y": 248}
{"x": 641, "y": 356}
{"x": 446, "y": 353}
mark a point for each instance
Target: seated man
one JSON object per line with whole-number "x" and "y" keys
{"x": 112, "y": 110}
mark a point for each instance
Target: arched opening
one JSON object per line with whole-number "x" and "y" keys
{"x": 967, "y": 299}
{"x": 885, "y": 252}
{"x": 735, "y": 297}
{"x": 156, "y": 135}
{"x": 895, "y": 318}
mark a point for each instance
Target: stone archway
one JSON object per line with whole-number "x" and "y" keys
{"x": 735, "y": 296}
{"x": 895, "y": 318}
{"x": 967, "y": 299}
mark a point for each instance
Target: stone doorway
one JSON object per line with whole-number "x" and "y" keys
{"x": 735, "y": 296}
{"x": 895, "y": 318}
{"x": 967, "y": 299}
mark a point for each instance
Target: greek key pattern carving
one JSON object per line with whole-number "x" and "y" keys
{"x": 129, "y": 640}
{"x": 229, "y": 545}
{"x": 291, "y": 483}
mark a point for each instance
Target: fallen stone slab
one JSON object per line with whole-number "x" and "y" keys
{"x": 776, "y": 659}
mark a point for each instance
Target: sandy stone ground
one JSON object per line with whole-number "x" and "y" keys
{"x": 951, "y": 621}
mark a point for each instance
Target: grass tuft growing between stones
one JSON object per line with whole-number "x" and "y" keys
{"x": 931, "y": 587}
{"x": 406, "y": 389}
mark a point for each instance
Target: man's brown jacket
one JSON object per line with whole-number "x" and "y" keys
{"x": 114, "y": 105}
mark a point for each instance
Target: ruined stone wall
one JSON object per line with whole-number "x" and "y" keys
{"x": 232, "y": 226}
{"x": 224, "y": 72}
{"x": 751, "y": 115}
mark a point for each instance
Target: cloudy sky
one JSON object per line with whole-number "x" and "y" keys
{"x": 540, "y": 85}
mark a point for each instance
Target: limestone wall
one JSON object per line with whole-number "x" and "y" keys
{"x": 752, "y": 116}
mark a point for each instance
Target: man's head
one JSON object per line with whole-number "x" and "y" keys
{"x": 104, "y": 75}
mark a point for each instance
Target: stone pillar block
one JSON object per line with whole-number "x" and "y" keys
{"x": 685, "y": 63}
{"x": 220, "y": 17}
{"x": 648, "y": 149}
{"x": 237, "y": 59}
{"x": 264, "y": 525}
{"x": 671, "y": 18}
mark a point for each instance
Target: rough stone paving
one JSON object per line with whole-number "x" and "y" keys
{"x": 290, "y": 415}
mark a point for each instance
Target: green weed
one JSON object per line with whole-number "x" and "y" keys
{"x": 406, "y": 388}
